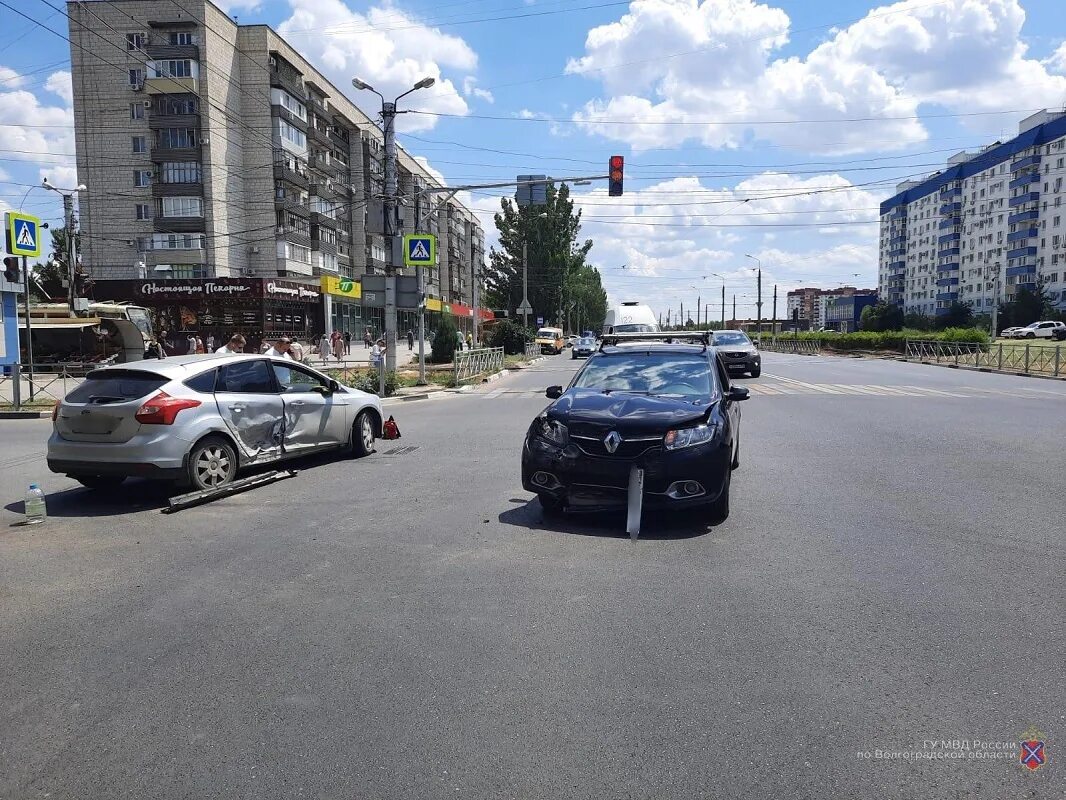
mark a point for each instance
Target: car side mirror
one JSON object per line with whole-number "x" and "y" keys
{"x": 333, "y": 385}
{"x": 554, "y": 392}
{"x": 738, "y": 393}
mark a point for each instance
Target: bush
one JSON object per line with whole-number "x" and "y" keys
{"x": 444, "y": 342}
{"x": 366, "y": 380}
{"x": 887, "y": 340}
{"x": 509, "y": 335}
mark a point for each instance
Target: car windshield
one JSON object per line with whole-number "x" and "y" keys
{"x": 730, "y": 338}
{"x": 546, "y": 333}
{"x": 636, "y": 328}
{"x": 657, "y": 374}
{"x": 586, "y": 342}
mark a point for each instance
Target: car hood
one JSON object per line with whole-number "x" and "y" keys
{"x": 628, "y": 411}
{"x": 737, "y": 348}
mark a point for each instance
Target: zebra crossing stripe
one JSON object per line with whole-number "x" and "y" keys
{"x": 935, "y": 392}
{"x": 893, "y": 391}
{"x": 494, "y": 393}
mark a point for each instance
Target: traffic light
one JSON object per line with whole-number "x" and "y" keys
{"x": 12, "y": 272}
{"x": 614, "y": 176}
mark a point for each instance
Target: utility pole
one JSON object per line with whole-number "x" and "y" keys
{"x": 995, "y": 304}
{"x": 758, "y": 303}
{"x": 525, "y": 283}
{"x": 29, "y": 323}
{"x": 734, "y": 308}
{"x": 699, "y": 305}
{"x": 68, "y": 215}
{"x": 723, "y": 304}
{"x": 773, "y": 327}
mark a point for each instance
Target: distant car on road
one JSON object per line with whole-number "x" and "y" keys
{"x": 738, "y": 352}
{"x": 571, "y": 341}
{"x": 550, "y": 340}
{"x": 198, "y": 420}
{"x": 1010, "y": 333}
{"x": 584, "y": 348}
{"x": 667, "y": 409}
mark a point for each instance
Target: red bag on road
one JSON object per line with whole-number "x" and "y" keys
{"x": 390, "y": 430}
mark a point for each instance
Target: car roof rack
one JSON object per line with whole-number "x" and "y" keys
{"x": 672, "y": 337}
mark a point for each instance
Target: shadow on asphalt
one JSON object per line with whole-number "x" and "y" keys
{"x": 662, "y": 525}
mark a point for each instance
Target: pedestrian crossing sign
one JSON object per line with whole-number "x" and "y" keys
{"x": 23, "y": 234}
{"x": 420, "y": 250}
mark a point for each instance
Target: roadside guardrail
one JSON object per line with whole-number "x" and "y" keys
{"x": 20, "y": 385}
{"x": 471, "y": 364}
{"x": 532, "y": 349}
{"x": 799, "y": 346}
{"x": 1030, "y": 359}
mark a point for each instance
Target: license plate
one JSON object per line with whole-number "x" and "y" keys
{"x": 93, "y": 423}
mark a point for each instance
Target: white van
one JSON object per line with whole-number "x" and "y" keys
{"x": 630, "y": 316}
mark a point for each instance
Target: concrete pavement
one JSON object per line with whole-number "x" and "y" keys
{"x": 408, "y": 625}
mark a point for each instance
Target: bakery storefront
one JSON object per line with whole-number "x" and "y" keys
{"x": 259, "y": 308}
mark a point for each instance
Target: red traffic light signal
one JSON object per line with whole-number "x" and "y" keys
{"x": 614, "y": 176}
{"x": 12, "y": 273}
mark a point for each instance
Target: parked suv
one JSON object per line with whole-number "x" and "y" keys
{"x": 197, "y": 420}
{"x": 1042, "y": 330}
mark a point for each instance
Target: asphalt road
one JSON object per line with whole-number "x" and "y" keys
{"x": 408, "y": 626}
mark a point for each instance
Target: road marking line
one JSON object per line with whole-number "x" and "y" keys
{"x": 934, "y": 392}
{"x": 892, "y": 391}
{"x": 494, "y": 393}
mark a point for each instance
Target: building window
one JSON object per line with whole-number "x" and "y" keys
{"x": 173, "y": 68}
{"x": 178, "y": 241}
{"x": 137, "y": 110}
{"x": 142, "y": 177}
{"x": 282, "y": 98}
{"x": 144, "y": 211}
{"x": 182, "y": 172}
{"x": 181, "y": 37}
{"x": 183, "y": 207}
{"x": 294, "y": 252}
{"x": 182, "y": 271}
{"x": 136, "y": 77}
{"x": 136, "y": 41}
{"x": 140, "y": 144}
{"x": 291, "y": 134}
{"x": 177, "y": 137}
{"x": 327, "y": 235}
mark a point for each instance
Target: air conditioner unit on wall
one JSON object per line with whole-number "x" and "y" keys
{"x": 205, "y": 140}
{"x": 147, "y": 103}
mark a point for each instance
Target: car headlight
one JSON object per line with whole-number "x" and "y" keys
{"x": 688, "y": 437}
{"x": 552, "y": 430}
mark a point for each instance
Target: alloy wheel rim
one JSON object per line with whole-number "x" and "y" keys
{"x": 213, "y": 466}
{"x": 368, "y": 434}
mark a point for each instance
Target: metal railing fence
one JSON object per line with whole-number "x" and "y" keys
{"x": 1024, "y": 358}
{"x": 470, "y": 364}
{"x": 532, "y": 349}
{"x": 21, "y": 386}
{"x": 800, "y": 346}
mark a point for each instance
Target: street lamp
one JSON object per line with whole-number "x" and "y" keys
{"x": 68, "y": 215}
{"x": 758, "y": 296}
{"x": 715, "y": 274}
{"x": 388, "y": 129}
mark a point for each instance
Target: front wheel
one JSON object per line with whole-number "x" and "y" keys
{"x": 719, "y": 509}
{"x": 1030, "y": 335}
{"x": 755, "y": 373}
{"x": 363, "y": 435}
{"x": 99, "y": 481}
{"x": 212, "y": 464}
{"x": 552, "y": 506}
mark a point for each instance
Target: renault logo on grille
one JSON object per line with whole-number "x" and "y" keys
{"x": 612, "y": 441}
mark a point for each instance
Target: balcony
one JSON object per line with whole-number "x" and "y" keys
{"x": 948, "y": 282}
{"x": 283, "y": 113}
{"x": 1031, "y": 287}
{"x": 165, "y": 50}
{"x": 161, "y": 154}
{"x": 949, "y": 267}
{"x": 1022, "y": 163}
{"x": 899, "y": 212}
{"x": 949, "y": 237}
{"x": 950, "y": 191}
{"x": 322, "y": 219}
{"x": 293, "y": 235}
{"x": 160, "y": 189}
{"x": 282, "y": 172}
{"x": 288, "y": 79}
{"x": 157, "y": 121}
{"x": 950, "y": 251}
{"x": 950, "y": 208}
{"x": 1022, "y": 216}
{"x": 1024, "y": 180}
{"x": 318, "y": 135}
{"x": 948, "y": 223}
{"x": 1022, "y": 234}
{"x": 1021, "y": 252}
{"x": 900, "y": 251}
{"x": 1028, "y": 197}
{"x": 946, "y": 296}
{"x": 329, "y": 190}
{"x": 293, "y": 205}
{"x": 894, "y": 266}
{"x": 1025, "y": 269}
{"x": 178, "y": 225}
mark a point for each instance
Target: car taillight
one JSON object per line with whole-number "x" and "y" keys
{"x": 162, "y": 409}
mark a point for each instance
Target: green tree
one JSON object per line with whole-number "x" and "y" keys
{"x": 588, "y": 300}
{"x": 881, "y": 316}
{"x": 918, "y": 321}
{"x": 443, "y": 345}
{"x": 1028, "y": 306}
{"x": 958, "y": 315}
{"x": 556, "y": 260}
{"x": 509, "y": 335}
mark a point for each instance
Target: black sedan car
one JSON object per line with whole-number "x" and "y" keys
{"x": 738, "y": 352}
{"x": 644, "y": 405}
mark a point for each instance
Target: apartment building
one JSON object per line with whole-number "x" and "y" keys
{"x": 988, "y": 224}
{"x": 813, "y": 304}
{"x": 213, "y": 150}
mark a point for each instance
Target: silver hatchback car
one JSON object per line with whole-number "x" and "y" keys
{"x": 197, "y": 420}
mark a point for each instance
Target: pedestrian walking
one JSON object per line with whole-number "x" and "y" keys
{"x": 347, "y": 342}
{"x": 338, "y": 345}
{"x": 366, "y": 339}
{"x": 377, "y": 354}
{"x": 235, "y": 344}
{"x": 280, "y": 349}
{"x": 470, "y": 341}
{"x": 459, "y": 341}
{"x": 190, "y": 345}
{"x": 199, "y": 346}
{"x": 324, "y": 347}
{"x": 296, "y": 350}
{"x": 210, "y": 343}
{"x": 410, "y": 339}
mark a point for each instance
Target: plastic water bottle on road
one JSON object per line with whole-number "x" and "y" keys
{"x": 34, "y": 505}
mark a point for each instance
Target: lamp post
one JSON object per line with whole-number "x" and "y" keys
{"x": 758, "y": 296}
{"x": 72, "y": 251}
{"x": 715, "y": 274}
{"x": 388, "y": 129}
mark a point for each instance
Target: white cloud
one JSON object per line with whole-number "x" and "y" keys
{"x": 229, "y": 6}
{"x": 715, "y": 67}
{"x": 10, "y": 79}
{"x": 470, "y": 88}
{"x": 385, "y": 47}
{"x": 58, "y": 83}
{"x": 1056, "y": 63}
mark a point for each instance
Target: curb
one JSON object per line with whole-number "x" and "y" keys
{"x": 986, "y": 369}
{"x": 24, "y": 414}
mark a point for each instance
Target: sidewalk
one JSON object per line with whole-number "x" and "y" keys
{"x": 360, "y": 356}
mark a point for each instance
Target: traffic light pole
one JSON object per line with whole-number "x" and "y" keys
{"x": 388, "y": 125}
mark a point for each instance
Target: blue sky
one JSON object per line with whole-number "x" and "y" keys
{"x": 770, "y": 129}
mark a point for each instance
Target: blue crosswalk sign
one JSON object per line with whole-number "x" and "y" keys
{"x": 23, "y": 234}
{"x": 420, "y": 250}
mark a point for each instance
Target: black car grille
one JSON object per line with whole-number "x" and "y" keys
{"x": 736, "y": 355}
{"x": 589, "y": 439}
